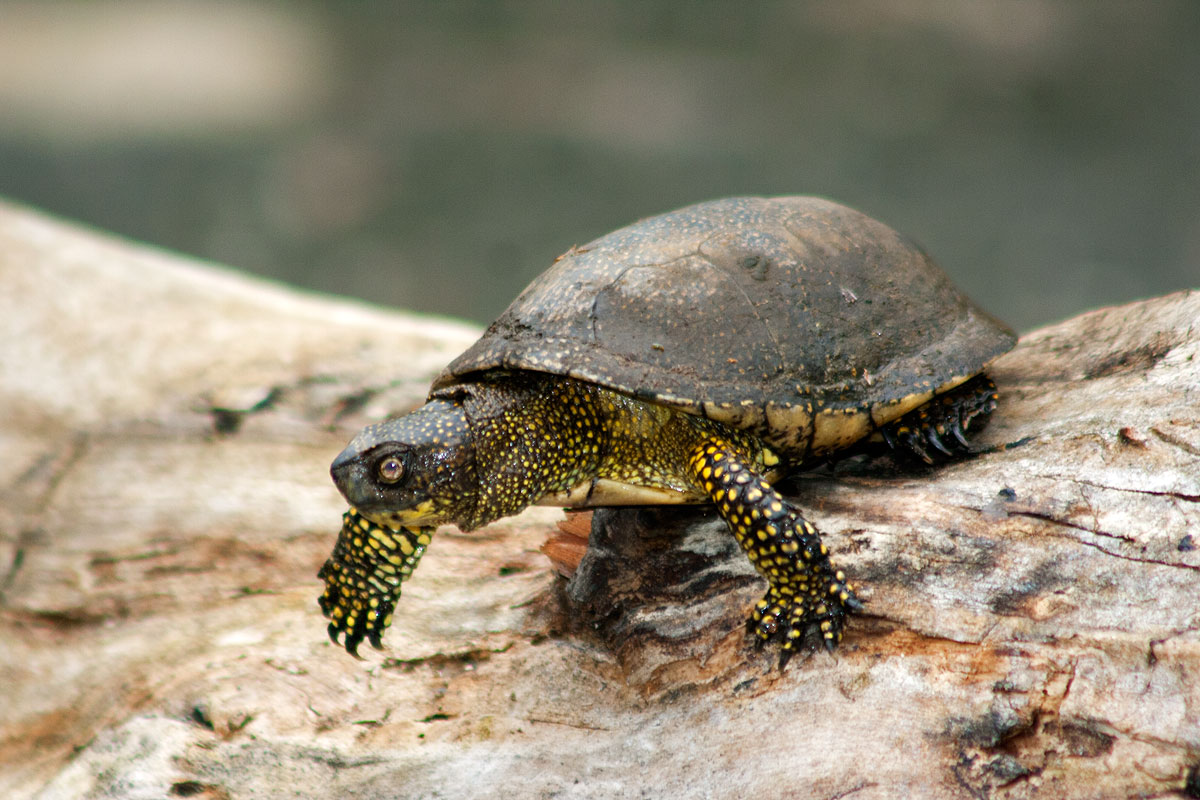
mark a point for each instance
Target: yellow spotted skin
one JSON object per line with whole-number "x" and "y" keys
{"x": 363, "y": 576}
{"x": 545, "y": 435}
{"x": 806, "y": 593}
{"x": 488, "y": 448}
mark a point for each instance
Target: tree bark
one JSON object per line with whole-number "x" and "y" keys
{"x": 1032, "y": 626}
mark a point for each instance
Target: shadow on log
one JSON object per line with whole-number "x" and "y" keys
{"x": 1032, "y": 624}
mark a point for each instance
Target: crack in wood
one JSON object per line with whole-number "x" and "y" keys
{"x": 1190, "y": 498}
{"x": 853, "y": 790}
{"x": 576, "y": 725}
{"x": 1175, "y": 441}
{"x": 1047, "y": 517}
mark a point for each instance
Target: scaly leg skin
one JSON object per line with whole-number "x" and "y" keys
{"x": 937, "y": 430}
{"x": 363, "y": 575}
{"x": 807, "y": 595}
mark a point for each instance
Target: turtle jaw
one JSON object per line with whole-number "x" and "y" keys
{"x": 422, "y": 515}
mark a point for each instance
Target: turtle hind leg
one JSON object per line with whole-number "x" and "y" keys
{"x": 807, "y": 596}
{"x": 938, "y": 430}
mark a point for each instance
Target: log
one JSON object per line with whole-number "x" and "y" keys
{"x": 1032, "y": 622}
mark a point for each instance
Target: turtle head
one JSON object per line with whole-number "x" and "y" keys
{"x": 415, "y": 470}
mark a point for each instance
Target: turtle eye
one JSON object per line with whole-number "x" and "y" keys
{"x": 390, "y": 469}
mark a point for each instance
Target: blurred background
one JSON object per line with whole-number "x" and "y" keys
{"x": 436, "y": 156}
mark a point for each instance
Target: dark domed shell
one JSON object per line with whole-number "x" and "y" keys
{"x": 796, "y": 317}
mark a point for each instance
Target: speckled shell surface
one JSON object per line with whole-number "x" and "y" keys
{"x": 795, "y": 317}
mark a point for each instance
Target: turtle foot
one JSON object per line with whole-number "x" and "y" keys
{"x": 362, "y": 578}
{"x": 803, "y": 622}
{"x": 937, "y": 431}
{"x": 808, "y": 597}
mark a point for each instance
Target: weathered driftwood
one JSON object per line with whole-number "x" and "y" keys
{"x": 1032, "y": 627}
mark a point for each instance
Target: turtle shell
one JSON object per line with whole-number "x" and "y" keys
{"x": 797, "y": 318}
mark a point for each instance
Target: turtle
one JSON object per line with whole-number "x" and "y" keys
{"x": 697, "y": 356}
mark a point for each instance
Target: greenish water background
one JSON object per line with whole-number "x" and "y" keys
{"x": 437, "y": 156}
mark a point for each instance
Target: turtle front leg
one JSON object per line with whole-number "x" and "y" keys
{"x": 363, "y": 575}
{"x": 807, "y": 595}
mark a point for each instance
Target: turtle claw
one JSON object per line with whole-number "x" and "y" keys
{"x": 949, "y": 415}
{"x": 889, "y": 437}
{"x": 348, "y": 641}
{"x": 913, "y": 442}
{"x": 785, "y": 655}
{"x": 958, "y": 433}
{"x": 932, "y": 437}
{"x": 803, "y": 622}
